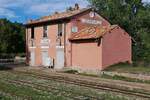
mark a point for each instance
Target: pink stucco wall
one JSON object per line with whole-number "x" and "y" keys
{"x": 86, "y": 55}
{"x": 68, "y": 45}
{"x": 38, "y": 35}
{"x": 116, "y": 47}
{"x": 52, "y": 32}
{"x": 37, "y": 49}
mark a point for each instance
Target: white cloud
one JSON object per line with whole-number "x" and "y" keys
{"x": 29, "y": 8}
{"x": 5, "y": 9}
{"x": 7, "y": 13}
{"x": 146, "y": 0}
{"x": 44, "y": 8}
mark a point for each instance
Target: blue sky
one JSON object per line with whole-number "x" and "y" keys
{"x": 23, "y": 10}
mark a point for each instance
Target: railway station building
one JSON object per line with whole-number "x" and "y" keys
{"x": 77, "y": 38}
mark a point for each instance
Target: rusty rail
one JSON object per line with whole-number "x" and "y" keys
{"x": 93, "y": 85}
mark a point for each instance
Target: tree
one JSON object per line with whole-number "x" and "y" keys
{"x": 134, "y": 17}
{"x": 12, "y": 37}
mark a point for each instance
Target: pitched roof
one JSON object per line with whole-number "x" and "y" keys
{"x": 58, "y": 16}
{"x": 92, "y": 32}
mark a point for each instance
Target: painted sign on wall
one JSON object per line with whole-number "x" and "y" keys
{"x": 45, "y": 42}
{"x": 90, "y": 21}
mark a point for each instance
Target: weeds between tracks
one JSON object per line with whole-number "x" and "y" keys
{"x": 60, "y": 78}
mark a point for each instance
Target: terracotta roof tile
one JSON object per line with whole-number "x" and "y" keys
{"x": 58, "y": 16}
{"x": 92, "y": 32}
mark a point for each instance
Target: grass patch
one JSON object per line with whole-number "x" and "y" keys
{"x": 71, "y": 71}
{"x": 128, "y": 79}
{"x": 117, "y": 77}
{"x": 3, "y": 97}
{"x": 86, "y": 74}
{"x": 76, "y": 72}
{"x": 30, "y": 93}
{"x": 128, "y": 68}
{"x": 3, "y": 67}
{"x": 24, "y": 92}
{"x": 111, "y": 97}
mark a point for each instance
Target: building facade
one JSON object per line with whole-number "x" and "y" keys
{"x": 78, "y": 38}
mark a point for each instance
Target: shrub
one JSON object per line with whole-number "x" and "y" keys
{"x": 71, "y": 71}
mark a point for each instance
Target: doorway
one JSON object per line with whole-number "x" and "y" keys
{"x": 45, "y": 58}
{"x": 32, "y": 58}
{"x": 59, "y": 57}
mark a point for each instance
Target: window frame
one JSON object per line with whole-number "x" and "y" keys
{"x": 74, "y": 29}
{"x": 60, "y": 30}
{"x": 45, "y": 31}
{"x": 32, "y": 33}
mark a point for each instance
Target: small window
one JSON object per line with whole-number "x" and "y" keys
{"x": 60, "y": 30}
{"x": 45, "y": 32}
{"x": 74, "y": 29}
{"x": 32, "y": 33}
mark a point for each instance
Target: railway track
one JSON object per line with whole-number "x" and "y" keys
{"x": 51, "y": 89}
{"x": 80, "y": 82}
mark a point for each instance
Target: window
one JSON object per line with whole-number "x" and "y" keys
{"x": 92, "y": 14}
{"x": 74, "y": 29}
{"x": 32, "y": 33}
{"x": 45, "y": 32}
{"x": 60, "y": 30}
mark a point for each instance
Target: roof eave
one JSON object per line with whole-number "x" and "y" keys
{"x": 85, "y": 39}
{"x": 46, "y": 21}
{"x": 65, "y": 18}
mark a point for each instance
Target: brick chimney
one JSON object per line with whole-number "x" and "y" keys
{"x": 56, "y": 12}
{"x": 77, "y": 6}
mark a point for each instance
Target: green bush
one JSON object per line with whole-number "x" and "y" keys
{"x": 3, "y": 67}
{"x": 71, "y": 71}
{"x": 21, "y": 54}
{"x": 7, "y": 56}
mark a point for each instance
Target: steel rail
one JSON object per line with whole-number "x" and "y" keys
{"x": 93, "y": 85}
{"x": 50, "y": 88}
